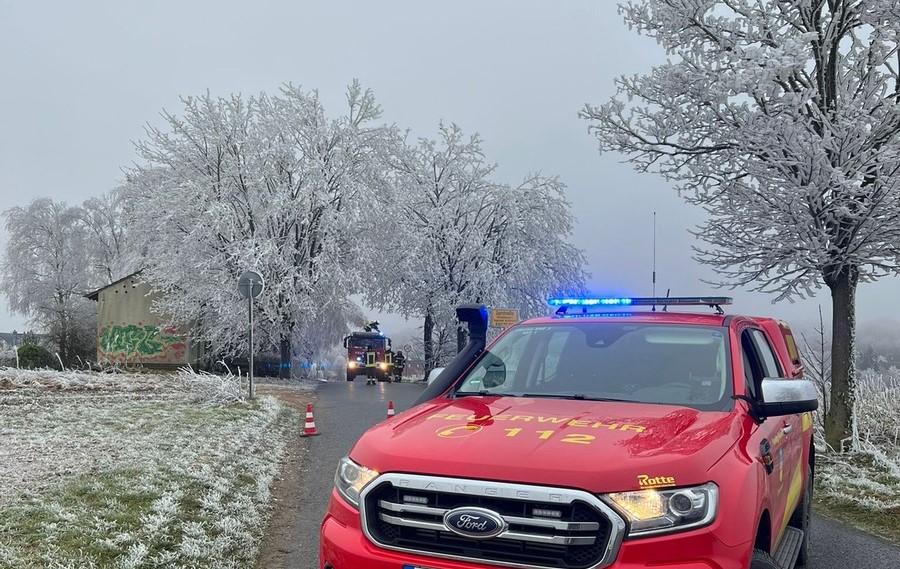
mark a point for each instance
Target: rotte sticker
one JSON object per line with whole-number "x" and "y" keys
{"x": 645, "y": 481}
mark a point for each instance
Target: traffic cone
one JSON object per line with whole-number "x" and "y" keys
{"x": 390, "y": 409}
{"x": 309, "y": 428}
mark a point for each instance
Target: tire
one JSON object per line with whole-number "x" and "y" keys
{"x": 762, "y": 560}
{"x": 801, "y": 518}
{"x": 351, "y": 376}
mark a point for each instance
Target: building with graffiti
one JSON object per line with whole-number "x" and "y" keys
{"x": 129, "y": 333}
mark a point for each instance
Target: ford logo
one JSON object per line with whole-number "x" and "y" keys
{"x": 476, "y": 523}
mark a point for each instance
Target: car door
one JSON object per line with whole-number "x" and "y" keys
{"x": 769, "y": 439}
{"x": 787, "y": 441}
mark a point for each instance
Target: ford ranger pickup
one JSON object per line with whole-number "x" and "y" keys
{"x": 617, "y": 433}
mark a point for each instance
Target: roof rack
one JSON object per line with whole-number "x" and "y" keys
{"x": 587, "y": 303}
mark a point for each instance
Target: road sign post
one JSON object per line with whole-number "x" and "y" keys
{"x": 251, "y": 285}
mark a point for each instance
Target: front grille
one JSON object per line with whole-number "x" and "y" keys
{"x": 547, "y": 527}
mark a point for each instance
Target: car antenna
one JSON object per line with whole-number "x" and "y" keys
{"x": 666, "y": 307}
{"x": 653, "y": 282}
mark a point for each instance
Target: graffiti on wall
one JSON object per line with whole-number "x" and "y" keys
{"x": 146, "y": 343}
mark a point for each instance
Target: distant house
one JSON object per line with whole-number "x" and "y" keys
{"x": 128, "y": 333}
{"x": 15, "y": 339}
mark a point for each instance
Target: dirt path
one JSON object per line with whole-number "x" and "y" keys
{"x": 282, "y": 540}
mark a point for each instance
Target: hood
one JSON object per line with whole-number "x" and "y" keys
{"x": 592, "y": 445}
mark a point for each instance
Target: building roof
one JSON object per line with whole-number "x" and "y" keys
{"x": 96, "y": 294}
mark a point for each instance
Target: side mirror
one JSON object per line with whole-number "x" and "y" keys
{"x": 787, "y": 397}
{"x": 434, "y": 374}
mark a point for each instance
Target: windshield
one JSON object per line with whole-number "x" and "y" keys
{"x": 646, "y": 363}
{"x": 367, "y": 343}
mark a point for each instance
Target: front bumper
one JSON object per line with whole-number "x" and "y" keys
{"x": 344, "y": 546}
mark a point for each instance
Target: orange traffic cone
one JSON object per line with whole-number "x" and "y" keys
{"x": 390, "y": 409}
{"x": 309, "y": 428}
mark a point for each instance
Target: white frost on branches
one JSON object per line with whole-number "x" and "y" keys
{"x": 465, "y": 237}
{"x": 268, "y": 183}
{"x": 781, "y": 119}
{"x": 56, "y": 253}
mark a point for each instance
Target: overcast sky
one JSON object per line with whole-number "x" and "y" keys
{"x": 81, "y": 79}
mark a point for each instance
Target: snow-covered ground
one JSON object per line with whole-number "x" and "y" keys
{"x": 134, "y": 470}
{"x": 869, "y": 476}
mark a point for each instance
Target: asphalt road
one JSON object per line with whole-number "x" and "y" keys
{"x": 345, "y": 410}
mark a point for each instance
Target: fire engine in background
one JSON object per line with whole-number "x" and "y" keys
{"x": 369, "y": 354}
{"x": 594, "y": 439}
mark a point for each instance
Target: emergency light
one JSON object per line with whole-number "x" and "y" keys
{"x": 585, "y": 302}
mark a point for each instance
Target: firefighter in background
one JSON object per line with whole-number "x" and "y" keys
{"x": 399, "y": 364}
{"x": 370, "y": 357}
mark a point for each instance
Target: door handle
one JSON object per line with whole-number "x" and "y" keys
{"x": 786, "y": 429}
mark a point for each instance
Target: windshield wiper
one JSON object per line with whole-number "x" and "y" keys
{"x": 555, "y": 395}
{"x": 576, "y": 396}
{"x": 482, "y": 393}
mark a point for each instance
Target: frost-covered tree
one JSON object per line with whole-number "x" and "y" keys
{"x": 269, "y": 183}
{"x": 107, "y": 243}
{"x": 781, "y": 119}
{"x": 463, "y": 237}
{"x": 46, "y": 271}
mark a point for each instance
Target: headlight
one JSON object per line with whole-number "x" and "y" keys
{"x": 382, "y": 366}
{"x": 652, "y": 512}
{"x": 351, "y": 478}
{"x": 351, "y": 365}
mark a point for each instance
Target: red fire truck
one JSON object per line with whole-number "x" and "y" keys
{"x": 603, "y": 437}
{"x": 368, "y": 353}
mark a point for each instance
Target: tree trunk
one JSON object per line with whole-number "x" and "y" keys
{"x": 284, "y": 370}
{"x": 428, "y": 343}
{"x": 839, "y": 421}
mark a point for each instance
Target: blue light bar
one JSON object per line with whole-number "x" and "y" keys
{"x": 589, "y": 301}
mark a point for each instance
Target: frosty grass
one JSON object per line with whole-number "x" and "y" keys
{"x": 134, "y": 470}
{"x": 868, "y": 477}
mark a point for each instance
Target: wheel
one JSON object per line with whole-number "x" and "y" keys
{"x": 762, "y": 560}
{"x": 801, "y": 519}
{"x": 351, "y": 376}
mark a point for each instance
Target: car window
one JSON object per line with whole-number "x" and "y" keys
{"x": 647, "y": 363}
{"x": 753, "y": 368}
{"x": 499, "y": 363}
{"x": 548, "y": 361}
{"x": 764, "y": 349}
{"x": 791, "y": 344}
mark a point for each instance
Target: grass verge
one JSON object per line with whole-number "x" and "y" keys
{"x": 189, "y": 487}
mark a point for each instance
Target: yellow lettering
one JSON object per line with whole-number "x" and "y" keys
{"x": 526, "y": 418}
{"x": 579, "y": 423}
{"x": 455, "y": 417}
{"x": 577, "y": 439}
{"x": 475, "y": 419}
{"x": 646, "y": 481}
{"x": 437, "y": 416}
{"x": 635, "y": 428}
{"x": 555, "y": 420}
